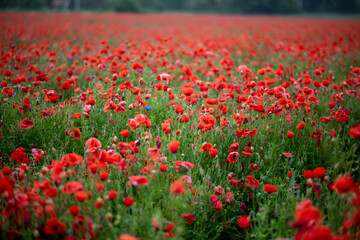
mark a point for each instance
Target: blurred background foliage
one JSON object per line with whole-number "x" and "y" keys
{"x": 190, "y": 6}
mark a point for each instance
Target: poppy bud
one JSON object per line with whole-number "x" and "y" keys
{"x": 67, "y": 132}
{"x": 309, "y": 182}
{"x": 99, "y": 203}
{"x": 36, "y": 233}
{"x": 109, "y": 217}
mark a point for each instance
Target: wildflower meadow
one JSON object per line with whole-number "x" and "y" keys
{"x": 179, "y": 126}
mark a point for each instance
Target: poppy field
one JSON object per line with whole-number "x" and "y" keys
{"x": 175, "y": 126}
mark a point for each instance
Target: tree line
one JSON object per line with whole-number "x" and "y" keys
{"x": 192, "y": 6}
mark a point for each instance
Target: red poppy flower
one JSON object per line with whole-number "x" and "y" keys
{"x": 213, "y": 198}
{"x": 232, "y": 157}
{"x": 356, "y": 70}
{"x": 74, "y": 210}
{"x": 93, "y": 144}
{"x": 6, "y": 189}
{"x": 174, "y": 146}
{"x": 270, "y": 188}
{"x": 38, "y": 154}
{"x": 234, "y": 147}
{"x": 81, "y": 196}
{"x": 8, "y": 73}
{"x": 54, "y": 226}
{"x": 213, "y": 152}
{"x": 79, "y": 223}
{"x": 71, "y": 187}
{"x": 206, "y": 147}
{"x": 183, "y": 164}
{"x": 100, "y": 187}
{"x": 219, "y": 190}
{"x": 19, "y": 156}
{"x": 300, "y": 126}
{"x": 112, "y": 194}
{"x": 66, "y": 85}
{"x": 189, "y": 217}
{"x": 332, "y": 104}
{"x": 306, "y": 215}
{"x": 163, "y": 168}
{"x": 287, "y": 154}
{"x": 26, "y": 124}
{"x": 103, "y": 175}
{"x": 154, "y": 154}
{"x": 168, "y": 230}
{"x": 319, "y": 172}
{"x": 252, "y": 182}
{"x": 128, "y": 201}
{"x": 76, "y": 133}
{"x": 124, "y": 133}
{"x": 244, "y": 221}
{"x": 355, "y": 132}
{"x": 290, "y": 134}
{"x": 127, "y": 237}
{"x": 138, "y": 180}
{"x": 138, "y": 121}
{"x": 333, "y": 133}
{"x": 345, "y": 184}
{"x": 320, "y": 232}
{"x": 247, "y": 152}
{"x": 179, "y": 109}
{"x": 8, "y": 90}
{"x": 137, "y": 66}
{"x": 254, "y": 167}
{"x": 357, "y": 217}
{"x": 177, "y": 187}
{"x": 187, "y": 91}
{"x": 217, "y": 206}
{"x": 308, "y": 174}
{"x": 57, "y": 171}
{"x": 72, "y": 159}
